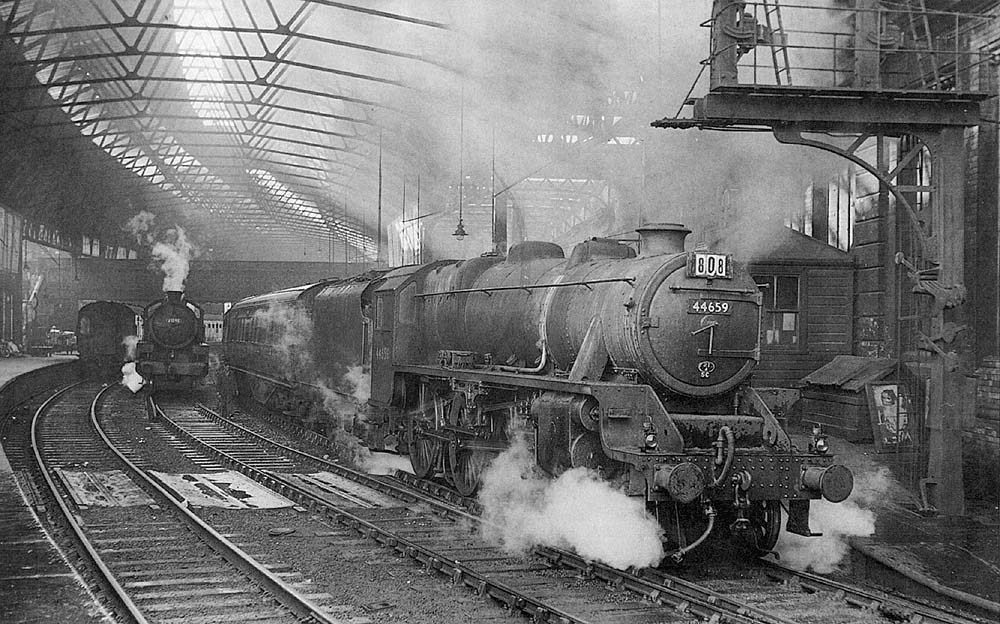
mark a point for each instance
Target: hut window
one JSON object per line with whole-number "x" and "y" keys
{"x": 780, "y": 320}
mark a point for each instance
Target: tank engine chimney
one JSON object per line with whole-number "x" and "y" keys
{"x": 661, "y": 238}
{"x": 174, "y": 296}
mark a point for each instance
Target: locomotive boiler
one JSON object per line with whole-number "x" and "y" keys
{"x": 632, "y": 365}
{"x": 173, "y": 348}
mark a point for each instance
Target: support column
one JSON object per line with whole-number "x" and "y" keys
{"x": 951, "y": 394}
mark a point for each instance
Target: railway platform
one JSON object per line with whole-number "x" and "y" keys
{"x": 12, "y": 367}
{"x": 950, "y": 559}
{"x": 36, "y": 582}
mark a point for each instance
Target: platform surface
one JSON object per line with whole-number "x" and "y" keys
{"x": 11, "y": 367}
{"x": 37, "y": 584}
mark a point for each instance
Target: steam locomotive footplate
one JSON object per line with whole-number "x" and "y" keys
{"x": 329, "y": 485}
{"x": 112, "y": 488}
{"x": 222, "y": 489}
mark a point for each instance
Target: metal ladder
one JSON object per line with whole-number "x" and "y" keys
{"x": 779, "y": 42}
{"x": 927, "y": 62}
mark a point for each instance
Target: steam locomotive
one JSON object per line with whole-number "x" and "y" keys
{"x": 635, "y": 366}
{"x": 173, "y": 349}
{"x": 102, "y": 330}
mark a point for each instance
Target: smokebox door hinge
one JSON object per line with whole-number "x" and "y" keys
{"x": 646, "y": 322}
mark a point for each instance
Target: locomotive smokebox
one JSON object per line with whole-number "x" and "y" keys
{"x": 661, "y": 238}
{"x": 174, "y": 296}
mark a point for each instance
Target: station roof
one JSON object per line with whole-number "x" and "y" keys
{"x": 251, "y": 121}
{"x": 263, "y": 125}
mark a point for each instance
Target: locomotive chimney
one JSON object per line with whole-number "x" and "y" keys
{"x": 174, "y": 296}
{"x": 661, "y": 238}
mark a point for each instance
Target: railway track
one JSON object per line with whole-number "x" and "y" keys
{"x": 553, "y": 584}
{"x": 39, "y": 580}
{"x": 152, "y": 559}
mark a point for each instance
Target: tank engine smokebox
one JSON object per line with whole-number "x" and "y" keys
{"x": 833, "y": 395}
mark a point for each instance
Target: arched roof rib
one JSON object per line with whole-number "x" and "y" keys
{"x": 241, "y": 117}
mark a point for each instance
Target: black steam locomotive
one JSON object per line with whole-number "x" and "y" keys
{"x": 106, "y": 335}
{"x": 173, "y": 349}
{"x": 632, "y": 365}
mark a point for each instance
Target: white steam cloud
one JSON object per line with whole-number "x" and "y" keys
{"x": 131, "y": 379}
{"x": 344, "y": 400}
{"x": 854, "y": 517}
{"x": 141, "y": 226}
{"x": 130, "y": 342}
{"x": 174, "y": 256}
{"x": 578, "y": 510}
{"x": 379, "y": 463}
{"x": 292, "y": 329}
{"x": 360, "y": 384}
{"x": 346, "y": 414}
{"x": 171, "y": 250}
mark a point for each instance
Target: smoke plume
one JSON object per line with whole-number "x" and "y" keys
{"x": 577, "y": 510}
{"x": 854, "y": 517}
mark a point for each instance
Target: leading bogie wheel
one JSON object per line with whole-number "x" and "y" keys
{"x": 765, "y": 521}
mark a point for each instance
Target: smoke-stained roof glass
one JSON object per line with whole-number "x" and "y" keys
{"x": 243, "y": 119}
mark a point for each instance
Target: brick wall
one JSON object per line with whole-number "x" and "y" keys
{"x": 981, "y": 436}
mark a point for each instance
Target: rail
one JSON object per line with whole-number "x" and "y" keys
{"x": 458, "y": 572}
{"x": 684, "y": 596}
{"x": 300, "y": 606}
{"x": 86, "y": 548}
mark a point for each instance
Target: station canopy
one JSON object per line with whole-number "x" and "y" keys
{"x": 250, "y": 121}
{"x": 263, "y": 126}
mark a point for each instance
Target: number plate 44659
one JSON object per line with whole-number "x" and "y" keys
{"x": 709, "y": 306}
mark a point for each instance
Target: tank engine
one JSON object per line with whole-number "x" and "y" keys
{"x": 633, "y": 365}
{"x": 173, "y": 348}
{"x": 102, "y": 328}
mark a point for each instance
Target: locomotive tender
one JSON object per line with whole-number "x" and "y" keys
{"x": 101, "y": 330}
{"x": 634, "y": 366}
{"x": 173, "y": 348}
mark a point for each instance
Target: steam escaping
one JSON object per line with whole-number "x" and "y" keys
{"x": 292, "y": 328}
{"x": 141, "y": 226}
{"x": 346, "y": 415}
{"x": 130, "y": 342}
{"x": 174, "y": 256}
{"x": 171, "y": 250}
{"x": 131, "y": 379}
{"x": 379, "y": 463}
{"x": 360, "y": 384}
{"x": 854, "y": 517}
{"x": 577, "y": 510}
